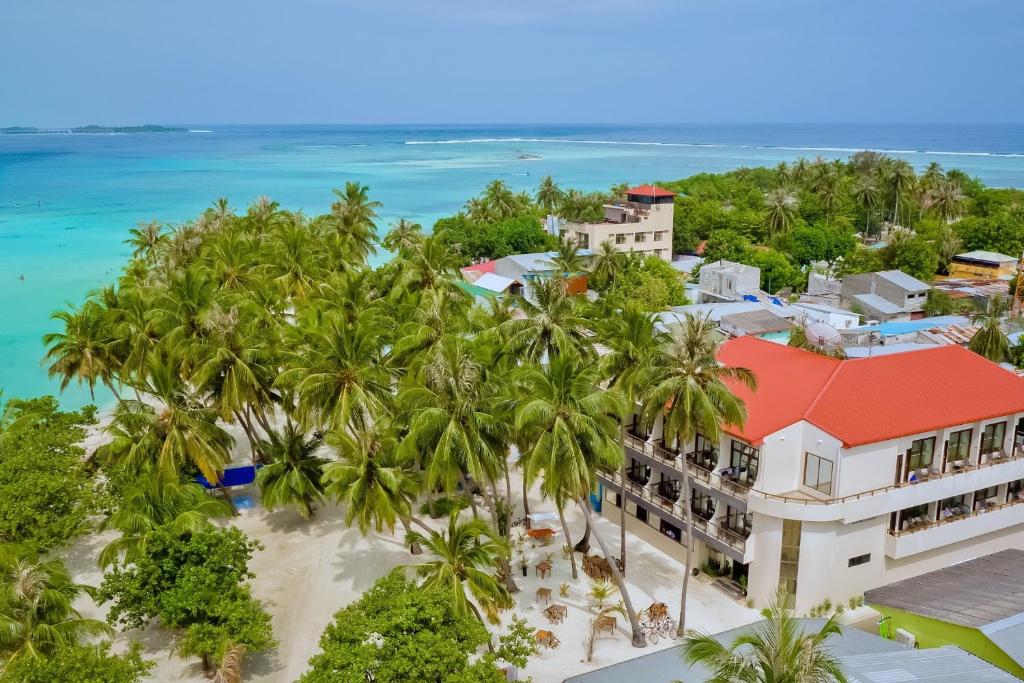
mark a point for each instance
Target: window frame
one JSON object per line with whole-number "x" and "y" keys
{"x": 963, "y": 450}
{"x": 987, "y": 438}
{"x": 831, "y": 467}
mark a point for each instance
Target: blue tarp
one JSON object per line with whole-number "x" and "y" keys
{"x": 749, "y": 297}
{"x": 233, "y": 476}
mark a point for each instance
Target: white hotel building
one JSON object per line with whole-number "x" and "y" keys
{"x": 847, "y": 475}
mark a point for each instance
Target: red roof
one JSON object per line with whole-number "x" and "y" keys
{"x": 869, "y": 400}
{"x": 650, "y": 191}
{"x": 485, "y": 267}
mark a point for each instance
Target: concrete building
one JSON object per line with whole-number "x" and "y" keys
{"x": 886, "y": 295}
{"x": 977, "y": 605}
{"x": 847, "y": 474}
{"x": 642, "y": 224}
{"x": 983, "y": 264}
{"x": 865, "y": 658}
{"x": 839, "y": 318}
{"x": 727, "y": 281}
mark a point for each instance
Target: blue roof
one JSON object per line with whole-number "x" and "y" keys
{"x": 909, "y": 326}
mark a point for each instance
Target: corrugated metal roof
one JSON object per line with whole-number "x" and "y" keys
{"x": 935, "y": 665}
{"x": 974, "y": 594}
{"x": 992, "y": 257}
{"x": 1008, "y": 634}
{"x": 879, "y": 304}
{"x": 901, "y": 279}
{"x": 494, "y": 282}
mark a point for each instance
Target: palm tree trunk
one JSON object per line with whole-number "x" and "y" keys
{"x": 622, "y": 516}
{"x": 689, "y": 550}
{"x": 503, "y": 563}
{"x": 565, "y": 531}
{"x": 414, "y": 547}
{"x": 638, "y": 635}
{"x": 229, "y": 500}
{"x": 248, "y": 435}
{"x": 480, "y": 617}
{"x": 469, "y": 494}
{"x": 584, "y": 545}
{"x": 508, "y": 501}
{"x": 526, "y": 494}
{"x": 110, "y": 385}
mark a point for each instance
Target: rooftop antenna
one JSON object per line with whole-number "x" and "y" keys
{"x": 823, "y": 337}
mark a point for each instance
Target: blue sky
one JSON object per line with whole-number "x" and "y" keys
{"x": 69, "y": 62}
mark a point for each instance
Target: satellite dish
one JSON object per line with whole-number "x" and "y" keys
{"x": 823, "y": 335}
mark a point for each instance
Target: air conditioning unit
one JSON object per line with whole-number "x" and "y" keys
{"x": 905, "y": 637}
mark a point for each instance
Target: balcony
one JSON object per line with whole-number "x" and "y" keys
{"x": 960, "y": 525}
{"x": 700, "y": 473}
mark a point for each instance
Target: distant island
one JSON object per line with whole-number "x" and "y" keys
{"x": 149, "y": 128}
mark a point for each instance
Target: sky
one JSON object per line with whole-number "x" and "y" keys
{"x": 68, "y": 62}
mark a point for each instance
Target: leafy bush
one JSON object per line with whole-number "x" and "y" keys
{"x": 444, "y": 506}
{"x": 80, "y": 664}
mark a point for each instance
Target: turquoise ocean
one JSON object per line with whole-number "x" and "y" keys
{"x": 68, "y": 200}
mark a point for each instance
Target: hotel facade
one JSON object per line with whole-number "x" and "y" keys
{"x": 642, "y": 224}
{"x": 847, "y": 474}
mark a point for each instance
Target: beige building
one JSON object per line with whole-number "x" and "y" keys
{"x": 643, "y": 223}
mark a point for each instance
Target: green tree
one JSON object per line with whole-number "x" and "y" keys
{"x": 83, "y": 350}
{"x": 782, "y": 210}
{"x": 292, "y": 470}
{"x": 404, "y": 237}
{"x": 777, "y": 271}
{"x": 553, "y": 323}
{"x": 726, "y": 244}
{"x": 354, "y": 219}
{"x": 81, "y": 664}
{"x": 462, "y": 564}
{"x": 990, "y": 341}
{"x": 776, "y": 650}
{"x": 608, "y": 263}
{"x": 549, "y": 195}
{"x": 914, "y": 255}
{"x": 399, "y": 631}
{"x": 695, "y": 387}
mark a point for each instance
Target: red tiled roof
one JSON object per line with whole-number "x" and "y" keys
{"x": 868, "y": 400}
{"x": 650, "y": 191}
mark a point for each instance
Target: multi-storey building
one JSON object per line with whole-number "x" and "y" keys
{"x": 846, "y": 475}
{"x": 643, "y": 224}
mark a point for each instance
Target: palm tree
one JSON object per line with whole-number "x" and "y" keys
{"x": 549, "y": 195}
{"x": 783, "y": 174}
{"x": 83, "y": 351}
{"x": 782, "y": 205}
{"x": 463, "y": 563}
{"x": 608, "y": 262}
{"x": 293, "y": 262}
{"x": 355, "y": 217}
{"x": 690, "y": 388}
{"x": 501, "y": 202}
{"x": 147, "y": 239}
{"x": 567, "y": 260}
{"x": 932, "y": 176}
{"x": 292, "y": 473}
{"x": 990, "y": 341}
{"x": 634, "y": 339}
{"x": 404, "y": 237}
{"x": 948, "y": 245}
{"x": 336, "y": 373}
{"x": 164, "y": 438}
{"x": 776, "y": 650}
{"x": 578, "y": 207}
{"x": 432, "y": 265}
{"x": 865, "y": 194}
{"x": 829, "y": 192}
{"x": 36, "y": 614}
{"x": 947, "y": 200}
{"x": 900, "y": 178}
{"x": 553, "y": 323}
{"x": 150, "y": 504}
{"x": 377, "y": 487}
{"x": 572, "y": 430}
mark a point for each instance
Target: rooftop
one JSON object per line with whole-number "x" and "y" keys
{"x": 976, "y": 593}
{"x": 723, "y": 266}
{"x": 494, "y": 282}
{"x": 988, "y": 257}
{"x": 755, "y": 322}
{"x": 880, "y": 304}
{"x": 901, "y": 279}
{"x": 868, "y": 400}
{"x": 866, "y": 658}
{"x": 650, "y": 191}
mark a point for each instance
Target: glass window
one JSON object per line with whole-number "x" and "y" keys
{"x": 640, "y": 237}
{"x": 641, "y": 513}
{"x": 742, "y": 463}
{"x": 701, "y": 504}
{"x": 920, "y": 454}
{"x": 620, "y": 238}
{"x": 985, "y": 497}
{"x": 705, "y": 453}
{"x": 952, "y": 507}
{"x": 671, "y": 530}
{"x": 959, "y": 445}
{"x": 992, "y": 438}
{"x": 789, "y": 562}
{"x": 818, "y": 473}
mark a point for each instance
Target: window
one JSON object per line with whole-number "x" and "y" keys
{"x": 914, "y": 517}
{"x": 620, "y": 238}
{"x": 818, "y": 473}
{"x": 638, "y": 472}
{"x": 952, "y": 507}
{"x": 671, "y": 530}
{"x": 738, "y": 522}
{"x": 789, "y": 561}
{"x": 669, "y": 488}
{"x": 1015, "y": 490}
{"x": 920, "y": 455}
{"x": 983, "y": 498}
{"x": 641, "y": 513}
{"x": 992, "y": 438}
{"x": 742, "y": 463}
{"x": 705, "y": 454}
{"x": 583, "y": 240}
{"x": 958, "y": 448}
{"x": 640, "y": 237}
{"x": 859, "y": 560}
{"x": 701, "y": 504}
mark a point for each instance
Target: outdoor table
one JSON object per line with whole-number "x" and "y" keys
{"x": 556, "y": 613}
{"x": 547, "y": 639}
{"x": 543, "y": 569}
{"x": 606, "y": 623}
{"x": 544, "y": 594}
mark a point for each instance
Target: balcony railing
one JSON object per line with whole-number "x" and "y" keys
{"x": 1017, "y": 454}
{"x": 698, "y": 472}
{"x": 952, "y": 519}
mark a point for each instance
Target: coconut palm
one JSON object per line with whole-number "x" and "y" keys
{"x": 37, "y": 617}
{"x": 567, "y": 259}
{"x": 865, "y": 194}
{"x": 782, "y": 210}
{"x": 501, "y": 202}
{"x": 294, "y": 263}
{"x": 334, "y": 369}
{"x": 404, "y": 237}
{"x": 829, "y": 191}
{"x": 947, "y": 200}
{"x": 691, "y": 389}
{"x": 572, "y": 432}
{"x": 291, "y": 475}
{"x": 83, "y": 351}
{"x": 463, "y": 561}
{"x": 440, "y": 312}
{"x": 608, "y": 263}
{"x": 948, "y": 245}
{"x": 432, "y": 265}
{"x": 149, "y": 504}
{"x": 899, "y": 180}
{"x": 354, "y": 219}
{"x": 578, "y": 207}
{"x": 147, "y": 240}
{"x": 376, "y": 486}
{"x": 549, "y": 195}
{"x": 553, "y": 323}
{"x": 990, "y": 341}
{"x": 932, "y": 176}
{"x": 776, "y": 650}
{"x": 175, "y": 430}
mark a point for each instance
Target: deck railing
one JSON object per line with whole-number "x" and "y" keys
{"x": 954, "y": 518}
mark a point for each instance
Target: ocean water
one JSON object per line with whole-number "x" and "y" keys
{"x": 67, "y": 201}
